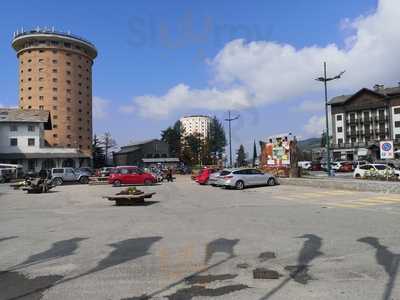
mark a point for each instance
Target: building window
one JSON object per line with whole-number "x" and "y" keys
{"x": 31, "y": 128}
{"x": 54, "y": 51}
{"x": 41, "y": 70}
{"x": 13, "y": 128}
{"x": 13, "y": 142}
{"x": 68, "y": 136}
{"x": 41, "y": 60}
{"x": 68, "y": 81}
{"x": 55, "y": 89}
{"x": 31, "y": 142}
{"x": 68, "y": 63}
{"x": 40, "y": 88}
{"x": 340, "y": 129}
{"x": 397, "y": 124}
{"x": 397, "y": 137}
{"x": 340, "y": 141}
{"x": 55, "y": 126}
{"x": 55, "y": 80}
{"x": 397, "y": 110}
{"x": 41, "y": 78}
{"x": 29, "y": 88}
{"x": 55, "y": 98}
{"x": 29, "y": 60}
{"x": 55, "y": 117}
{"x": 67, "y": 45}
{"x": 29, "y": 79}
{"x": 54, "y": 107}
{"x": 55, "y": 61}
{"x": 41, "y": 97}
{"x": 54, "y": 70}
{"x": 41, "y": 107}
{"x": 55, "y": 135}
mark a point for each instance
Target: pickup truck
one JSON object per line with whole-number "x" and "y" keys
{"x": 61, "y": 175}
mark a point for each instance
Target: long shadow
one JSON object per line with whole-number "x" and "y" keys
{"x": 389, "y": 260}
{"x": 299, "y": 272}
{"x": 124, "y": 251}
{"x": 220, "y": 245}
{"x": 57, "y": 250}
{"x": 8, "y": 238}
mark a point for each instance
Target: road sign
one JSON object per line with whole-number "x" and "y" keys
{"x": 387, "y": 150}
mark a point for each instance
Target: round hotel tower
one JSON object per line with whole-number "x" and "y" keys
{"x": 55, "y": 74}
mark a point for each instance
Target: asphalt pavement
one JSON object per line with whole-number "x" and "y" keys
{"x": 199, "y": 242}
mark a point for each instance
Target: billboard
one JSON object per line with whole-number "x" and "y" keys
{"x": 387, "y": 150}
{"x": 276, "y": 151}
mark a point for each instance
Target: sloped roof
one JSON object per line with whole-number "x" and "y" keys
{"x": 24, "y": 115}
{"x": 138, "y": 143}
{"x": 389, "y": 91}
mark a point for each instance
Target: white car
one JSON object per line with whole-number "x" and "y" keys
{"x": 213, "y": 178}
{"x": 241, "y": 178}
{"x": 380, "y": 169}
{"x": 305, "y": 165}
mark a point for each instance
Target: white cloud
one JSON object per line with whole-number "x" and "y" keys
{"x": 310, "y": 106}
{"x": 314, "y": 127}
{"x": 100, "y": 107}
{"x": 127, "y": 109}
{"x": 263, "y": 72}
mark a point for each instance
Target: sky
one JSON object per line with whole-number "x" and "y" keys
{"x": 160, "y": 60}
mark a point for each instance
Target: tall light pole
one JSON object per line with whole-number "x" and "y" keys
{"x": 325, "y": 81}
{"x": 229, "y": 120}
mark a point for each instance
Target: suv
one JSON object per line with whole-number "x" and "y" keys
{"x": 61, "y": 175}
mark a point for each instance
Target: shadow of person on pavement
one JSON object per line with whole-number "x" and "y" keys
{"x": 220, "y": 245}
{"x": 387, "y": 259}
{"x": 57, "y": 250}
{"x": 299, "y": 273}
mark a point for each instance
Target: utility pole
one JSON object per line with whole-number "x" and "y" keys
{"x": 327, "y": 140}
{"x": 229, "y": 120}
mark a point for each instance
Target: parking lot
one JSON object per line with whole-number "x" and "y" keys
{"x": 191, "y": 241}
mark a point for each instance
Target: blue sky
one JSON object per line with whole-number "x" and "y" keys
{"x": 159, "y": 60}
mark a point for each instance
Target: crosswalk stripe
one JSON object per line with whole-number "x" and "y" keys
{"x": 344, "y": 205}
{"x": 379, "y": 200}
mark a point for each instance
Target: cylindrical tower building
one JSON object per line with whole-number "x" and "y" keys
{"x": 55, "y": 74}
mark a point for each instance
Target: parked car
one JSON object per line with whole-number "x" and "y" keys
{"x": 87, "y": 170}
{"x": 213, "y": 179}
{"x": 130, "y": 175}
{"x": 204, "y": 175}
{"x": 380, "y": 169}
{"x": 316, "y": 166}
{"x": 345, "y": 166}
{"x": 61, "y": 175}
{"x": 241, "y": 178}
{"x": 105, "y": 172}
{"x": 306, "y": 165}
{"x": 159, "y": 174}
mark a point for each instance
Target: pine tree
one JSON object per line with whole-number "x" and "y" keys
{"x": 108, "y": 144}
{"x": 241, "y": 157}
{"x": 254, "y": 154}
{"x": 97, "y": 153}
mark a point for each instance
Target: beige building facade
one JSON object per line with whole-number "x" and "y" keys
{"x": 55, "y": 74}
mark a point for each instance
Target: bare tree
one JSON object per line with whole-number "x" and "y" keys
{"x": 108, "y": 144}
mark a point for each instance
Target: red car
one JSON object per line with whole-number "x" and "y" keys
{"x": 204, "y": 175}
{"x": 346, "y": 167}
{"x": 130, "y": 175}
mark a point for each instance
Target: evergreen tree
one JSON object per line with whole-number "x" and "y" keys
{"x": 97, "y": 153}
{"x": 173, "y": 137}
{"x": 241, "y": 157}
{"x": 254, "y": 154}
{"x": 216, "y": 138}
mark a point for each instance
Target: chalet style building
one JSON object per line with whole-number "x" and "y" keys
{"x": 360, "y": 121}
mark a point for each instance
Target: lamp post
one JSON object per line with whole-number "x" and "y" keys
{"x": 325, "y": 81}
{"x": 229, "y": 120}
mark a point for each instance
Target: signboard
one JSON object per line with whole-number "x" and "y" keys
{"x": 276, "y": 151}
{"x": 387, "y": 150}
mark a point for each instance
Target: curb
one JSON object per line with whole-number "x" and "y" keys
{"x": 350, "y": 184}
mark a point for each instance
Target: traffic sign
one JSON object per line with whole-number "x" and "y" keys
{"x": 387, "y": 150}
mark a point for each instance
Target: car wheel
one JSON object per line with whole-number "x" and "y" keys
{"x": 148, "y": 182}
{"x": 239, "y": 185}
{"x": 58, "y": 181}
{"x": 358, "y": 176}
{"x": 84, "y": 180}
{"x": 271, "y": 181}
{"x": 117, "y": 183}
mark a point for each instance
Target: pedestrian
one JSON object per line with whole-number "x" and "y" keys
{"x": 169, "y": 175}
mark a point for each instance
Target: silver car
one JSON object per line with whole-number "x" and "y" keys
{"x": 241, "y": 178}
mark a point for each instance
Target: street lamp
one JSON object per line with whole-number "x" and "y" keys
{"x": 325, "y": 80}
{"x": 229, "y": 120}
